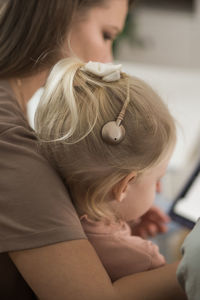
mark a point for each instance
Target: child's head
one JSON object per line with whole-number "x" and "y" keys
{"x": 73, "y": 109}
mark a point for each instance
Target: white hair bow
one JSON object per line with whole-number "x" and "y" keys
{"x": 109, "y": 72}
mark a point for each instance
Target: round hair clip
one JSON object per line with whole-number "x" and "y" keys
{"x": 112, "y": 133}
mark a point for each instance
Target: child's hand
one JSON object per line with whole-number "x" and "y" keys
{"x": 153, "y": 222}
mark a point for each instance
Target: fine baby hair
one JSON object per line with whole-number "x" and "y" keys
{"x": 75, "y": 106}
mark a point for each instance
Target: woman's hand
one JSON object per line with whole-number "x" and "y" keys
{"x": 154, "y": 221}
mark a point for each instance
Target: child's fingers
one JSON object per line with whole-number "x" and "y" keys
{"x": 152, "y": 229}
{"x": 157, "y": 215}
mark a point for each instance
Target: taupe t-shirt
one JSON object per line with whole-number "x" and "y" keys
{"x": 35, "y": 209}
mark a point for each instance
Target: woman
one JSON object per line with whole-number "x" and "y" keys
{"x": 39, "y": 227}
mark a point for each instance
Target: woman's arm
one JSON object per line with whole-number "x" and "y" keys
{"x": 159, "y": 284}
{"x": 72, "y": 271}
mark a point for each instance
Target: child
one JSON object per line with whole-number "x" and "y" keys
{"x": 110, "y": 137}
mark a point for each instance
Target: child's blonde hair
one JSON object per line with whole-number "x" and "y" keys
{"x": 73, "y": 109}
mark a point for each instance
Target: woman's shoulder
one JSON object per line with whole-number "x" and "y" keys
{"x": 35, "y": 208}
{"x": 18, "y": 141}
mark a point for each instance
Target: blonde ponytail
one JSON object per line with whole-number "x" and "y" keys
{"x": 58, "y": 99}
{"x": 68, "y": 109}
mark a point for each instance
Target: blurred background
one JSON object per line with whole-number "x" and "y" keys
{"x": 163, "y": 33}
{"x": 161, "y": 44}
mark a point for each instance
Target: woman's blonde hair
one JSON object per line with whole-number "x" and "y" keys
{"x": 74, "y": 107}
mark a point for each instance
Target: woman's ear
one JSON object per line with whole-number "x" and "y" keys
{"x": 121, "y": 187}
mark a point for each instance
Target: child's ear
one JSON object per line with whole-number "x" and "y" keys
{"x": 120, "y": 188}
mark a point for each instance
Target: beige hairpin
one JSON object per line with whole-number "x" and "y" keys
{"x": 113, "y": 132}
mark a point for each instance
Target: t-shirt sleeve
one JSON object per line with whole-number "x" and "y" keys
{"x": 35, "y": 208}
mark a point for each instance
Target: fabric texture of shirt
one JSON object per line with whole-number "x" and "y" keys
{"x": 35, "y": 209}
{"x": 121, "y": 252}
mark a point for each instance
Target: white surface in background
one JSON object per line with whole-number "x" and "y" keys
{"x": 180, "y": 89}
